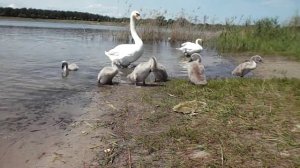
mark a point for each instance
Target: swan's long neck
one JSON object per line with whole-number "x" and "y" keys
{"x": 199, "y": 60}
{"x": 65, "y": 66}
{"x": 198, "y": 40}
{"x": 153, "y": 63}
{"x": 134, "y": 35}
{"x": 253, "y": 64}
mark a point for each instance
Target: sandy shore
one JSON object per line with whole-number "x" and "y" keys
{"x": 64, "y": 138}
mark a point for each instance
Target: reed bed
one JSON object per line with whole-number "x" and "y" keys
{"x": 151, "y": 31}
{"x": 265, "y": 36}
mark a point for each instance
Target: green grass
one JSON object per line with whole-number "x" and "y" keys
{"x": 266, "y": 37}
{"x": 250, "y": 122}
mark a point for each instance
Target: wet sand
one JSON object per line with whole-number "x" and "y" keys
{"x": 279, "y": 67}
{"x": 63, "y": 136}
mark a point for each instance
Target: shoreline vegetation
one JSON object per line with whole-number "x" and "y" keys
{"x": 265, "y": 36}
{"x": 238, "y": 123}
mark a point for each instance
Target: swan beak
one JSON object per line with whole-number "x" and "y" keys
{"x": 260, "y": 61}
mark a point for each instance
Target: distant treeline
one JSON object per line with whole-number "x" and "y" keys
{"x": 55, "y": 14}
{"x": 157, "y": 21}
{"x": 73, "y": 15}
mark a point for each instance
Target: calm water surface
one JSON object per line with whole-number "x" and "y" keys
{"x": 31, "y": 53}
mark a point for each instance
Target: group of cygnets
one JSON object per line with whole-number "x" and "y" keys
{"x": 125, "y": 54}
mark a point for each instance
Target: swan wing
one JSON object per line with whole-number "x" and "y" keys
{"x": 73, "y": 67}
{"x": 191, "y": 47}
{"x": 140, "y": 72}
{"x": 243, "y": 68}
{"x": 185, "y": 46}
{"x": 121, "y": 51}
{"x": 125, "y": 54}
{"x": 186, "y": 43}
{"x": 108, "y": 71}
{"x": 160, "y": 73}
{"x": 106, "y": 74}
{"x": 249, "y": 65}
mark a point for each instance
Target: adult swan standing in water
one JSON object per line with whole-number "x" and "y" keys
{"x": 123, "y": 55}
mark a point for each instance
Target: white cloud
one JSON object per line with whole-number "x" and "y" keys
{"x": 277, "y": 3}
{"x": 12, "y": 5}
{"x": 95, "y": 6}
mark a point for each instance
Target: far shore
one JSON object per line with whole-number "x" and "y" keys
{"x": 174, "y": 34}
{"x": 64, "y": 21}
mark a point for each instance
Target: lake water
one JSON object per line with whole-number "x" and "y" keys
{"x": 31, "y": 53}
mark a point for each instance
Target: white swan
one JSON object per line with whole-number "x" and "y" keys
{"x": 160, "y": 73}
{"x": 68, "y": 67}
{"x": 142, "y": 70}
{"x": 189, "y": 48}
{"x": 245, "y": 67}
{"x": 106, "y": 75}
{"x": 196, "y": 70}
{"x": 124, "y": 54}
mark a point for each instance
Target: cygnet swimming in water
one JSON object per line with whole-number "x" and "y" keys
{"x": 68, "y": 67}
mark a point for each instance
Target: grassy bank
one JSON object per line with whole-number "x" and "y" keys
{"x": 265, "y": 37}
{"x": 246, "y": 123}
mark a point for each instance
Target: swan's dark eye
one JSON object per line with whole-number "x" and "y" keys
{"x": 137, "y": 14}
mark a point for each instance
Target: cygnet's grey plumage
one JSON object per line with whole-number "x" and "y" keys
{"x": 68, "y": 67}
{"x": 247, "y": 66}
{"x": 142, "y": 70}
{"x": 196, "y": 70}
{"x": 160, "y": 73}
{"x": 106, "y": 75}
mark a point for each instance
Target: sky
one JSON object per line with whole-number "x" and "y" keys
{"x": 216, "y": 10}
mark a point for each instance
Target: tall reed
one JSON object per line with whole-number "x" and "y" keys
{"x": 179, "y": 30}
